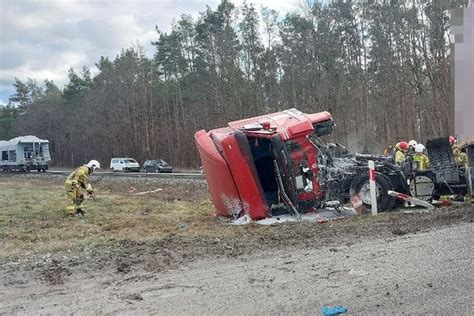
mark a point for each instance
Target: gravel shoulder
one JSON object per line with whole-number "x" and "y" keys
{"x": 424, "y": 273}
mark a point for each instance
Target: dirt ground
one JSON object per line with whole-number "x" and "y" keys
{"x": 425, "y": 273}
{"x": 392, "y": 263}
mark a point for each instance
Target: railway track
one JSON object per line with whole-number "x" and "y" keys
{"x": 194, "y": 176}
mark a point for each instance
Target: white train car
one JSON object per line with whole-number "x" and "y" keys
{"x": 25, "y": 153}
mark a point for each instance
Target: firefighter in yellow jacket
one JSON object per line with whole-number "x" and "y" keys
{"x": 400, "y": 150}
{"x": 459, "y": 156}
{"x": 77, "y": 179}
{"x": 421, "y": 158}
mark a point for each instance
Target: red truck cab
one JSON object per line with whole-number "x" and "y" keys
{"x": 251, "y": 163}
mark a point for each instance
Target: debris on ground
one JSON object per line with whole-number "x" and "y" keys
{"x": 148, "y": 192}
{"x": 182, "y": 226}
{"x": 333, "y": 310}
{"x": 320, "y": 216}
{"x": 411, "y": 199}
{"x": 133, "y": 297}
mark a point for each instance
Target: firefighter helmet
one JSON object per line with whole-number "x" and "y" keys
{"x": 402, "y": 146}
{"x": 412, "y": 143}
{"x": 452, "y": 140}
{"x": 419, "y": 148}
{"x": 93, "y": 164}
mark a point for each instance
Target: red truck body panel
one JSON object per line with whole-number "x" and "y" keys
{"x": 220, "y": 182}
{"x": 289, "y": 123}
{"x": 231, "y": 174}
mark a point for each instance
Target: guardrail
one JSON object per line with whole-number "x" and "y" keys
{"x": 141, "y": 174}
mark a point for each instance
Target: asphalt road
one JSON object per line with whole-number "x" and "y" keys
{"x": 98, "y": 174}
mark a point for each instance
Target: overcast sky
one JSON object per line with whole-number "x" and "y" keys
{"x": 42, "y": 39}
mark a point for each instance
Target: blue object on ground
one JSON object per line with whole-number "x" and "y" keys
{"x": 182, "y": 226}
{"x": 333, "y": 310}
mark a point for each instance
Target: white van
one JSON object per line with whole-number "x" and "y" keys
{"x": 124, "y": 164}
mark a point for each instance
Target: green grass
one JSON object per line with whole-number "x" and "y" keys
{"x": 33, "y": 220}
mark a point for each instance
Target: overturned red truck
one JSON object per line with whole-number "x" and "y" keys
{"x": 278, "y": 163}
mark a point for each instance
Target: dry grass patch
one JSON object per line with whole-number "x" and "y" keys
{"x": 32, "y": 217}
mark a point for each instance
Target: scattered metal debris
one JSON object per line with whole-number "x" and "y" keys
{"x": 148, "y": 192}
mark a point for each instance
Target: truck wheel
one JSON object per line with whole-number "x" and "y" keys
{"x": 361, "y": 186}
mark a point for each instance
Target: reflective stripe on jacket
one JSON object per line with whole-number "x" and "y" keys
{"x": 422, "y": 161}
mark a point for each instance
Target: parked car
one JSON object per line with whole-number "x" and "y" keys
{"x": 157, "y": 165}
{"x": 124, "y": 164}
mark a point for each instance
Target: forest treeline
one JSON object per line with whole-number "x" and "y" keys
{"x": 381, "y": 68}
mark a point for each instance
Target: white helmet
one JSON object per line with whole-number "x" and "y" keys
{"x": 412, "y": 143}
{"x": 93, "y": 164}
{"x": 419, "y": 148}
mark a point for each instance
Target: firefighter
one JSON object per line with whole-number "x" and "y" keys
{"x": 400, "y": 151}
{"x": 459, "y": 156}
{"x": 77, "y": 179}
{"x": 421, "y": 158}
{"x": 411, "y": 146}
{"x": 389, "y": 151}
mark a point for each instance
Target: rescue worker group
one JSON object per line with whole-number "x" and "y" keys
{"x": 417, "y": 151}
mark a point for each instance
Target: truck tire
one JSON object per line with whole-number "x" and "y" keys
{"x": 360, "y": 186}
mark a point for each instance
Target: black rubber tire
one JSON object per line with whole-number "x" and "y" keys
{"x": 385, "y": 202}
